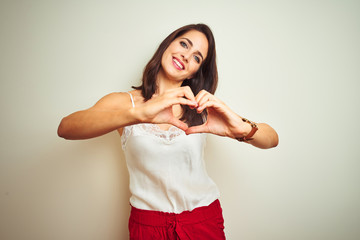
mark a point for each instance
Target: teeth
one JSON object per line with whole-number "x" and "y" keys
{"x": 178, "y": 63}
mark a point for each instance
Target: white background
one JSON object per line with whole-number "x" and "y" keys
{"x": 291, "y": 64}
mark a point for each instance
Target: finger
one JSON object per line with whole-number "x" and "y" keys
{"x": 204, "y": 97}
{"x": 188, "y": 93}
{"x": 183, "y": 92}
{"x": 179, "y": 124}
{"x": 207, "y": 104}
{"x": 175, "y": 96}
{"x": 184, "y": 101}
{"x": 200, "y": 95}
{"x": 197, "y": 129}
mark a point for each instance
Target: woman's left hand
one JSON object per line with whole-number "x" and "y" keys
{"x": 221, "y": 120}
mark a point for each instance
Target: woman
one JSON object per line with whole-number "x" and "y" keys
{"x": 162, "y": 125}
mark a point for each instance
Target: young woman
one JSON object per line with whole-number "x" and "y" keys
{"x": 162, "y": 124}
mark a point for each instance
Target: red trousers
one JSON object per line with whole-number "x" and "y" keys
{"x": 203, "y": 223}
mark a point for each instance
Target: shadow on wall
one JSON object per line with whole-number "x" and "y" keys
{"x": 72, "y": 190}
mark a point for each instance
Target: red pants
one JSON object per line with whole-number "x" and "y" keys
{"x": 203, "y": 223}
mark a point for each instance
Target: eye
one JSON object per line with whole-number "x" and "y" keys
{"x": 197, "y": 59}
{"x": 184, "y": 44}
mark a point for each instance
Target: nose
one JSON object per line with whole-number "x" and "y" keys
{"x": 185, "y": 57}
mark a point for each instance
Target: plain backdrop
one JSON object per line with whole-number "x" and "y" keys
{"x": 292, "y": 64}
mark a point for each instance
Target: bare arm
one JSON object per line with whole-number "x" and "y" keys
{"x": 110, "y": 113}
{"x": 115, "y": 111}
{"x": 265, "y": 137}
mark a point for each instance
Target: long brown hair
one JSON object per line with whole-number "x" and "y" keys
{"x": 205, "y": 78}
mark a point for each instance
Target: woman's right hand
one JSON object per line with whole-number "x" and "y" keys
{"x": 159, "y": 108}
{"x": 114, "y": 111}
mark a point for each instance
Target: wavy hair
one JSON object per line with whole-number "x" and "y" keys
{"x": 205, "y": 78}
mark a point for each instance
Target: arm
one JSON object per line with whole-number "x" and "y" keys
{"x": 115, "y": 111}
{"x": 265, "y": 137}
{"x": 223, "y": 121}
{"x": 110, "y": 113}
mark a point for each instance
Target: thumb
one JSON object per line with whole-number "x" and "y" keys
{"x": 180, "y": 124}
{"x": 197, "y": 129}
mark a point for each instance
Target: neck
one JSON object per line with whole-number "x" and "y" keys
{"x": 164, "y": 83}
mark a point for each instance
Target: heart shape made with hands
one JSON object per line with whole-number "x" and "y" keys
{"x": 164, "y": 110}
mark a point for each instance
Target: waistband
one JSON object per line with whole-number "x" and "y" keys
{"x": 163, "y": 219}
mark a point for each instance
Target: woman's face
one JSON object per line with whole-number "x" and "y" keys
{"x": 184, "y": 56}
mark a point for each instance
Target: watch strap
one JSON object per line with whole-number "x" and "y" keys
{"x": 248, "y": 137}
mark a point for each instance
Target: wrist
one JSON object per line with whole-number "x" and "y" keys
{"x": 246, "y": 129}
{"x": 250, "y": 129}
{"x": 136, "y": 116}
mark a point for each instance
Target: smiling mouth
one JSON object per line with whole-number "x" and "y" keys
{"x": 179, "y": 65}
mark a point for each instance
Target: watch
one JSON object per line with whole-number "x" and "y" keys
{"x": 254, "y": 128}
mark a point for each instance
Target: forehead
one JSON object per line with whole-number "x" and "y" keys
{"x": 199, "y": 40}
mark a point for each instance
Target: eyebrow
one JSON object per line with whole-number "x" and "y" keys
{"x": 190, "y": 42}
